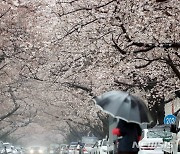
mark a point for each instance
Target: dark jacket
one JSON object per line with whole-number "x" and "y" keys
{"x": 130, "y": 133}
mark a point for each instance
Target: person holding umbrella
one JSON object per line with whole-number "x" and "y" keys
{"x": 129, "y": 135}
{"x": 131, "y": 112}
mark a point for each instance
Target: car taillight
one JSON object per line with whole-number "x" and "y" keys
{"x": 84, "y": 150}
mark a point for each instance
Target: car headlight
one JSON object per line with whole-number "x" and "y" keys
{"x": 40, "y": 151}
{"x": 2, "y": 151}
{"x": 31, "y": 151}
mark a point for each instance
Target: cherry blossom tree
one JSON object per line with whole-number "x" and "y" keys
{"x": 129, "y": 45}
{"x": 56, "y": 55}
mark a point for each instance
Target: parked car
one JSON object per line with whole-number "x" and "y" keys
{"x": 76, "y": 148}
{"x": 54, "y": 149}
{"x": 37, "y": 150}
{"x": 7, "y": 148}
{"x": 110, "y": 147}
{"x": 88, "y": 141}
{"x": 19, "y": 149}
{"x": 14, "y": 150}
{"x": 172, "y": 145}
{"x": 152, "y": 141}
{"x": 64, "y": 149}
{"x": 100, "y": 147}
{"x": 95, "y": 147}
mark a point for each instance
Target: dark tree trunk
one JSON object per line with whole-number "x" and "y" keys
{"x": 157, "y": 111}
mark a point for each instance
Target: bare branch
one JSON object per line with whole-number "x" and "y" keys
{"x": 9, "y": 113}
{"x": 85, "y": 8}
{"x": 78, "y": 86}
{"x": 149, "y": 61}
{"x": 5, "y": 12}
{"x": 143, "y": 47}
{"x": 16, "y": 106}
{"x": 117, "y": 47}
{"x": 172, "y": 65}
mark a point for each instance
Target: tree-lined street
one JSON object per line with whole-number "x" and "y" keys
{"x": 55, "y": 56}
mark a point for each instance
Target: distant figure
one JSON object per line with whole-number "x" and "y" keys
{"x": 129, "y": 135}
{"x": 79, "y": 147}
{"x": 5, "y": 150}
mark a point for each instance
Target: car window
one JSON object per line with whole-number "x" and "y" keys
{"x": 73, "y": 143}
{"x": 89, "y": 140}
{"x": 158, "y": 134}
{"x": 88, "y": 145}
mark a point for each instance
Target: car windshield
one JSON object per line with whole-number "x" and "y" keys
{"x": 73, "y": 146}
{"x": 8, "y": 146}
{"x": 89, "y": 140}
{"x": 73, "y": 143}
{"x": 158, "y": 134}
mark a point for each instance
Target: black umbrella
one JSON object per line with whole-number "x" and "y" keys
{"x": 122, "y": 105}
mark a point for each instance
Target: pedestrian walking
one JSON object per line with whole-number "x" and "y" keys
{"x": 129, "y": 135}
{"x": 5, "y": 150}
{"x": 132, "y": 112}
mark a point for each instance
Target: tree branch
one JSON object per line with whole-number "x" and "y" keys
{"x": 16, "y": 106}
{"x": 171, "y": 64}
{"x": 78, "y": 86}
{"x": 85, "y": 8}
{"x": 117, "y": 47}
{"x": 5, "y": 12}
{"x": 149, "y": 61}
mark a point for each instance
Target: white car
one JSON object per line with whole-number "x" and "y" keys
{"x": 64, "y": 149}
{"x": 172, "y": 146}
{"x": 151, "y": 142}
{"x": 95, "y": 147}
{"x": 7, "y": 148}
{"x": 100, "y": 147}
{"x": 88, "y": 141}
{"x": 73, "y": 148}
{"x": 76, "y": 148}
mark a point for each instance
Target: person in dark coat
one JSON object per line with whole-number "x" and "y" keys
{"x": 129, "y": 134}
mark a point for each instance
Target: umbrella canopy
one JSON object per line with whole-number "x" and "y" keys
{"x": 122, "y": 105}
